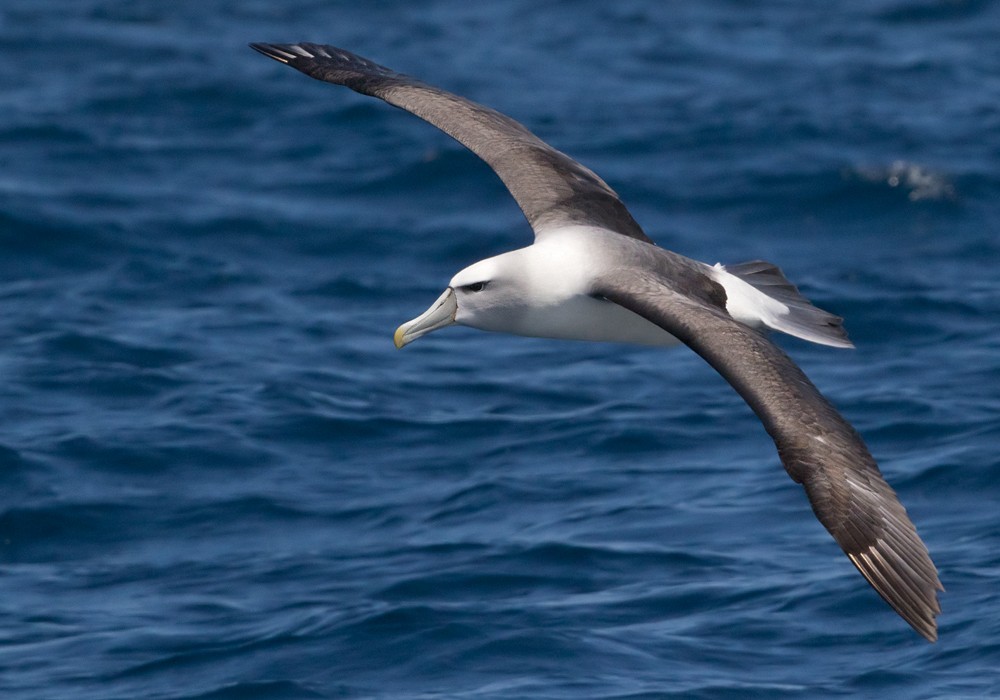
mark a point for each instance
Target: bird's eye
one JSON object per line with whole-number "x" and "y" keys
{"x": 475, "y": 287}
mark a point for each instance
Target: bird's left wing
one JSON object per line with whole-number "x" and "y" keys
{"x": 551, "y": 188}
{"x": 818, "y": 447}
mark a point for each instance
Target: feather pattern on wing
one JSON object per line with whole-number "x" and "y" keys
{"x": 551, "y": 188}
{"x": 817, "y": 446}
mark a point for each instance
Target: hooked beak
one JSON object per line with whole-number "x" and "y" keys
{"x": 441, "y": 314}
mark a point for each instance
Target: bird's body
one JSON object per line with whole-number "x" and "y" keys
{"x": 546, "y": 291}
{"x": 592, "y": 274}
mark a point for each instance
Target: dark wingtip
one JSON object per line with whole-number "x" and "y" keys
{"x": 910, "y": 585}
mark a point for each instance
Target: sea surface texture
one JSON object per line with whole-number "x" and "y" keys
{"x": 220, "y": 480}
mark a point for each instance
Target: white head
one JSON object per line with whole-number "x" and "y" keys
{"x": 490, "y": 295}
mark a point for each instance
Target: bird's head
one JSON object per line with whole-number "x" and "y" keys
{"x": 488, "y": 295}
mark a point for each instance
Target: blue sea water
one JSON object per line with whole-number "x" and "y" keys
{"x": 218, "y": 478}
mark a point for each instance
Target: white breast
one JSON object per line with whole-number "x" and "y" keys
{"x": 558, "y": 270}
{"x": 581, "y": 317}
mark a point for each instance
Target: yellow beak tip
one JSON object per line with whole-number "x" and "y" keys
{"x": 397, "y": 338}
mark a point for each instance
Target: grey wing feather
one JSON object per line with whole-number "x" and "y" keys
{"x": 817, "y": 446}
{"x": 551, "y": 188}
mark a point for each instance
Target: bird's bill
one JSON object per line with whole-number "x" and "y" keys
{"x": 441, "y": 314}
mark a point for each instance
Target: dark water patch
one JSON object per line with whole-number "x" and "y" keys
{"x": 649, "y": 439}
{"x": 261, "y": 690}
{"x": 458, "y": 587}
{"x": 904, "y": 12}
{"x": 147, "y": 454}
{"x": 109, "y": 351}
{"x": 51, "y": 532}
{"x": 12, "y": 462}
{"x": 239, "y": 511}
{"x": 947, "y": 470}
{"x": 317, "y": 428}
{"x": 342, "y": 288}
{"x": 471, "y": 501}
{"x": 50, "y": 134}
{"x": 25, "y": 477}
{"x": 35, "y": 245}
{"x": 594, "y": 560}
{"x": 162, "y": 102}
{"x": 126, "y": 458}
{"x": 117, "y": 386}
{"x": 197, "y": 660}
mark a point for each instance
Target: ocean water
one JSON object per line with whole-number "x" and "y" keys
{"x": 218, "y": 478}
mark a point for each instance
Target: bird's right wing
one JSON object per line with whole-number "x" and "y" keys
{"x": 818, "y": 447}
{"x": 551, "y": 188}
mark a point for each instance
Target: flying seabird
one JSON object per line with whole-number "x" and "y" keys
{"x": 593, "y": 274}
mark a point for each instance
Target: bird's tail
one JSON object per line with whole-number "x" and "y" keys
{"x": 802, "y": 319}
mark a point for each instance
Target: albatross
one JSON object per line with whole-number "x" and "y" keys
{"x": 593, "y": 274}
